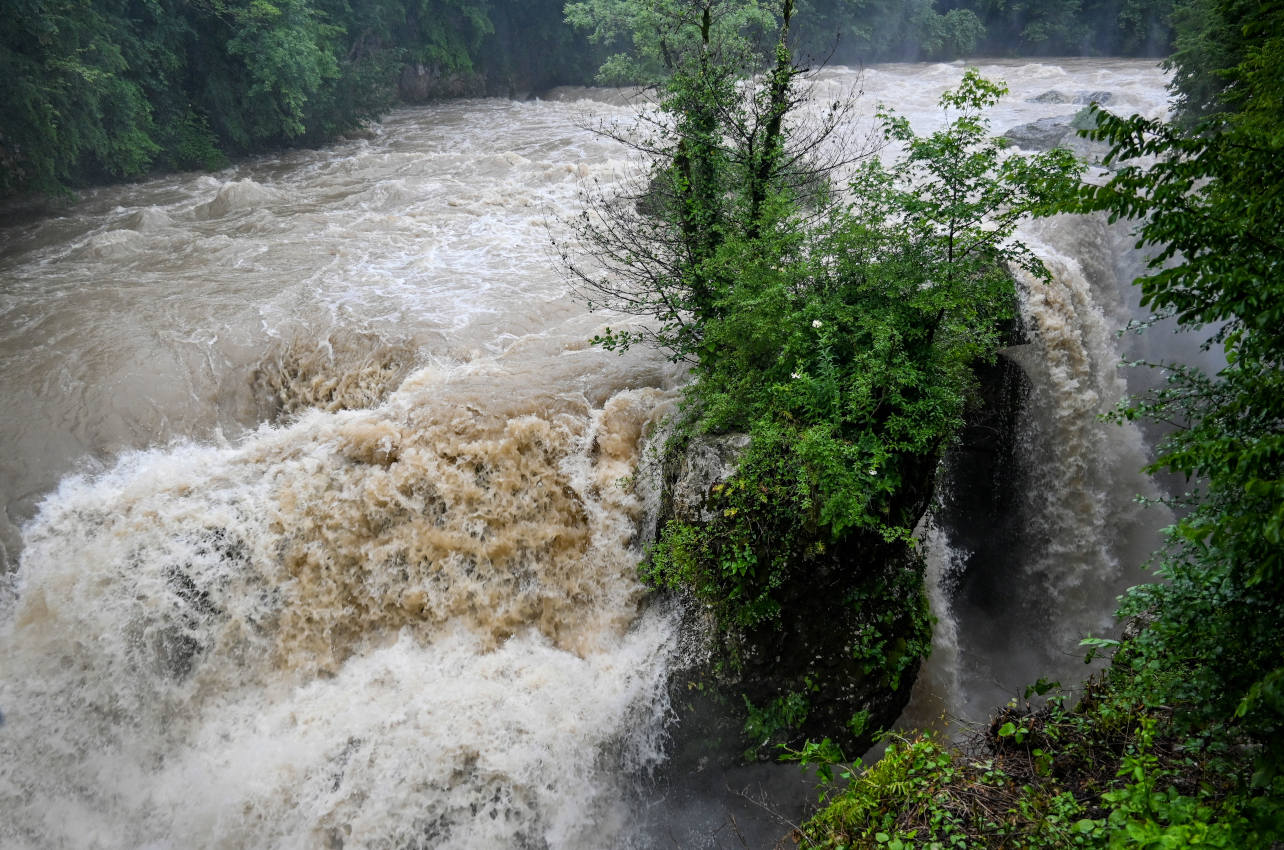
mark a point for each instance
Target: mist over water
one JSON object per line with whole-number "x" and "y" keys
{"x": 317, "y": 530}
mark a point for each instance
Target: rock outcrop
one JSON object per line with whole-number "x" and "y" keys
{"x": 807, "y": 673}
{"x": 1060, "y": 131}
{"x": 420, "y": 83}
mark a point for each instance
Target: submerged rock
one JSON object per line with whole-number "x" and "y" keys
{"x": 238, "y": 195}
{"x": 1050, "y": 96}
{"x": 1087, "y": 97}
{"x": 1041, "y": 135}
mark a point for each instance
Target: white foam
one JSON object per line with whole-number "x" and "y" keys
{"x": 239, "y": 195}
{"x": 157, "y": 693}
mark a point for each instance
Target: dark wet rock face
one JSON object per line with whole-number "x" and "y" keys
{"x": 978, "y": 494}
{"x": 840, "y": 660}
{"x": 420, "y": 83}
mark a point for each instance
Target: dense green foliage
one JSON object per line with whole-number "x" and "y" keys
{"x": 109, "y": 89}
{"x": 658, "y": 35}
{"x": 1181, "y": 745}
{"x": 1111, "y": 772}
{"x": 1211, "y": 38}
{"x": 862, "y": 31}
{"x": 841, "y": 336}
{"x": 1209, "y": 204}
{"x": 640, "y": 33}
{"x": 1073, "y": 27}
{"x": 900, "y": 30}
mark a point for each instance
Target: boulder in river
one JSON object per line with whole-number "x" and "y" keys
{"x": 1080, "y": 97}
{"x": 1060, "y": 131}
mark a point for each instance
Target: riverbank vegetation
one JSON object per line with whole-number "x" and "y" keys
{"x": 1179, "y": 743}
{"x": 112, "y": 89}
{"x": 105, "y": 90}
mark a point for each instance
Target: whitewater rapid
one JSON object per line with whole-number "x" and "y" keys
{"x": 319, "y": 528}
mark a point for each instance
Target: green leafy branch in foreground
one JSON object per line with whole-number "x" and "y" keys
{"x": 1209, "y": 201}
{"x": 1181, "y": 745}
{"x": 1106, "y": 773}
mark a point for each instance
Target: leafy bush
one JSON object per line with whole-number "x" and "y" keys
{"x": 1109, "y": 773}
{"x": 846, "y": 350}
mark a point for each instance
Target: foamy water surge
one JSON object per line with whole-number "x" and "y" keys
{"x": 409, "y": 626}
{"x": 317, "y": 528}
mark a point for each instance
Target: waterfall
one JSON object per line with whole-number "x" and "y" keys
{"x": 320, "y": 527}
{"x": 1075, "y": 532}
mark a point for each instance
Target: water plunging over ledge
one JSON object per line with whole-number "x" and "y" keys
{"x": 314, "y": 533}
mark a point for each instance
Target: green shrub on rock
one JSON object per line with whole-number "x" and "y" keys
{"x": 847, "y": 352}
{"x": 838, "y": 329}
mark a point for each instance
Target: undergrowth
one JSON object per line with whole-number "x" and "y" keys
{"x": 1107, "y": 772}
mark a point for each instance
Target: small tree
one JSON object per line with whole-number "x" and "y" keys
{"x": 659, "y": 36}
{"x": 850, "y": 346}
{"x": 722, "y": 156}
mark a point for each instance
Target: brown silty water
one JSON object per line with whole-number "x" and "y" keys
{"x": 318, "y": 523}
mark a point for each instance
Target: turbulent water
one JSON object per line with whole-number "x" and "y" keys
{"x": 317, "y": 525}
{"x": 1078, "y": 534}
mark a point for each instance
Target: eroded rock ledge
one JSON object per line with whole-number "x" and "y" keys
{"x": 806, "y": 674}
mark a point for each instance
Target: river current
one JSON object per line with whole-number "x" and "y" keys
{"x": 318, "y": 529}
